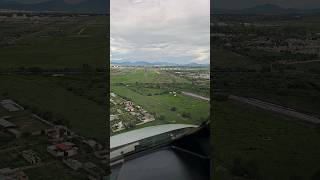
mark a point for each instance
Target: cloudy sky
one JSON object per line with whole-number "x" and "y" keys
{"x": 175, "y": 31}
{"x": 239, "y": 4}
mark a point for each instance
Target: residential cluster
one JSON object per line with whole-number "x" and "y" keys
{"x": 12, "y": 174}
{"x": 193, "y": 75}
{"x": 64, "y": 145}
{"x": 247, "y": 38}
{"x": 125, "y": 114}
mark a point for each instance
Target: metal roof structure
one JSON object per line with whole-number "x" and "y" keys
{"x": 143, "y": 133}
{"x": 10, "y": 105}
{"x": 6, "y": 124}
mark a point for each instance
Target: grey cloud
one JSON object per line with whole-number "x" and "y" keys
{"x": 160, "y": 30}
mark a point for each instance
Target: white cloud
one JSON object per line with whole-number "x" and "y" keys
{"x": 160, "y": 30}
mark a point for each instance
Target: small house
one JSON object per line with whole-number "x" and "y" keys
{"x": 66, "y": 149}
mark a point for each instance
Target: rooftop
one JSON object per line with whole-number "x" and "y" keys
{"x": 64, "y": 146}
{"x": 6, "y": 124}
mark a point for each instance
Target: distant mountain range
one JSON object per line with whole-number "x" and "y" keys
{"x": 143, "y": 63}
{"x": 266, "y": 9}
{"x": 75, "y": 6}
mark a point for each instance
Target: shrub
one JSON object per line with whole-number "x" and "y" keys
{"x": 162, "y": 117}
{"x": 186, "y": 115}
{"x": 173, "y": 109}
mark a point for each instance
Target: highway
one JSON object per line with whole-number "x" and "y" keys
{"x": 195, "y": 95}
{"x": 298, "y": 62}
{"x": 277, "y": 108}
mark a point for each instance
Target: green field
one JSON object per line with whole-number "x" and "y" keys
{"x": 10, "y": 152}
{"x": 43, "y": 94}
{"x": 150, "y": 88}
{"x": 262, "y": 145}
{"x": 64, "y": 45}
{"x": 54, "y": 66}
{"x": 70, "y": 100}
{"x": 141, "y": 75}
{"x": 54, "y": 43}
{"x": 251, "y": 143}
{"x": 29, "y": 124}
{"x": 227, "y": 59}
{"x": 54, "y": 171}
{"x": 295, "y": 86}
{"x": 161, "y": 104}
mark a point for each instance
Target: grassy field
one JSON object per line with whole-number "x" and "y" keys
{"x": 161, "y": 104}
{"x": 54, "y": 44}
{"x": 84, "y": 116}
{"x": 150, "y": 88}
{"x": 58, "y": 43}
{"x": 251, "y": 143}
{"x": 29, "y": 124}
{"x": 79, "y": 108}
{"x": 12, "y": 159}
{"x": 10, "y": 152}
{"x": 295, "y": 86}
{"x": 141, "y": 75}
{"x": 76, "y": 96}
{"x": 255, "y": 144}
{"x": 54, "y": 171}
{"x": 227, "y": 59}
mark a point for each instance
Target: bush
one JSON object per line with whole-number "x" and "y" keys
{"x": 186, "y": 115}
{"x": 237, "y": 167}
{"x": 249, "y": 169}
{"x": 252, "y": 170}
{"x": 162, "y": 117}
{"x": 173, "y": 109}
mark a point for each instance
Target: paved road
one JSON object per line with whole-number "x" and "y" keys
{"x": 81, "y": 31}
{"x": 36, "y": 165}
{"x": 10, "y": 149}
{"x": 277, "y": 108}
{"x": 195, "y": 95}
{"x": 299, "y": 62}
{"x": 42, "y": 120}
